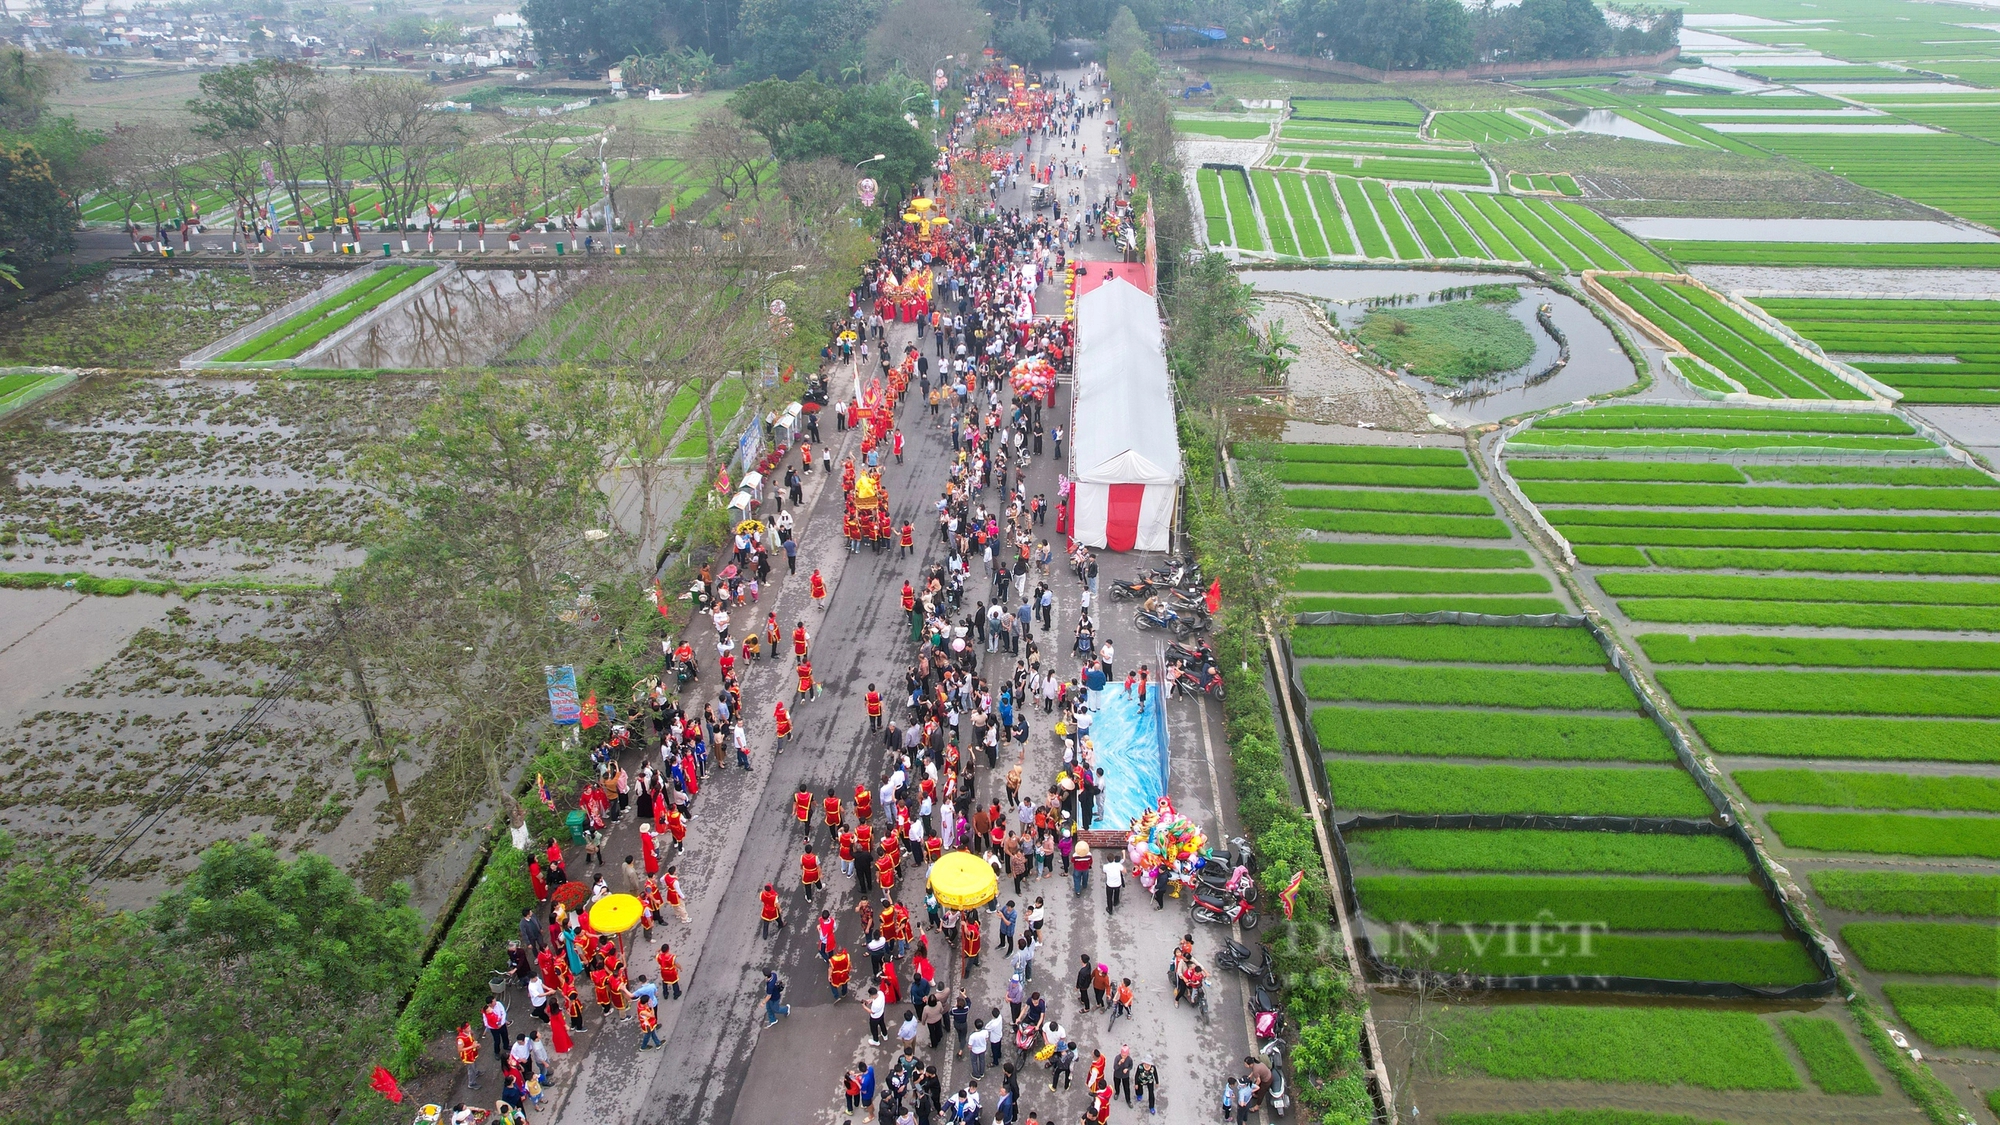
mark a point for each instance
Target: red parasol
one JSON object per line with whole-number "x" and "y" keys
{"x": 571, "y": 894}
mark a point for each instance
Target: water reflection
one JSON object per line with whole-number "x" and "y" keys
{"x": 465, "y": 320}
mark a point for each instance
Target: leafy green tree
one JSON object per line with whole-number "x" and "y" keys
{"x": 259, "y": 111}
{"x": 597, "y": 30}
{"x": 790, "y": 38}
{"x": 36, "y": 217}
{"x": 256, "y": 993}
{"x": 25, "y": 84}
{"x": 1025, "y": 41}
{"x": 807, "y": 119}
{"x": 1390, "y": 34}
{"x": 1558, "y": 29}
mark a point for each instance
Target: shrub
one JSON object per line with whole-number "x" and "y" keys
{"x": 1416, "y": 554}
{"x": 1468, "y": 603}
{"x": 1850, "y": 652}
{"x": 1619, "y": 903}
{"x": 1544, "y": 850}
{"x": 1376, "y": 500}
{"x": 1683, "y": 471}
{"x": 1906, "y": 592}
{"x": 1949, "y": 1015}
{"x": 1450, "y": 343}
{"x": 1901, "y": 740}
{"x": 1964, "y": 949}
{"x": 1474, "y": 687}
{"x": 1428, "y": 787}
{"x": 1747, "y": 961}
{"x": 1831, "y": 1060}
{"x": 453, "y": 984}
{"x": 1854, "y": 789}
{"x": 1369, "y": 523}
{"x": 1360, "y": 454}
{"x": 1475, "y": 644}
{"x": 1489, "y": 734}
{"x": 1887, "y": 833}
{"x": 1836, "y": 693}
{"x": 1385, "y": 581}
{"x": 1909, "y": 892}
{"x": 1634, "y": 1045}
{"x": 1379, "y": 476}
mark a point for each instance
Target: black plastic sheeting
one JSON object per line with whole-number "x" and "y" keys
{"x": 1721, "y": 825}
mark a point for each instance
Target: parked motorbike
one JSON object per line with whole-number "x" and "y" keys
{"x": 1173, "y": 622}
{"x": 1199, "y": 654}
{"x": 1209, "y": 905}
{"x": 1131, "y": 588}
{"x": 1188, "y": 681}
{"x": 1257, "y": 963}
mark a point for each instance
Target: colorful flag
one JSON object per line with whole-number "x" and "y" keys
{"x": 589, "y": 717}
{"x": 386, "y": 1084}
{"x": 1290, "y": 895}
{"x": 542, "y": 791}
{"x": 1213, "y": 600}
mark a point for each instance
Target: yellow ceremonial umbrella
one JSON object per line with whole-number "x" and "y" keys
{"x": 963, "y": 881}
{"x": 614, "y": 914}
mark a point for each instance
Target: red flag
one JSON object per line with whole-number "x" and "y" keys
{"x": 386, "y": 1084}
{"x": 1213, "y": 599}
{"x": 589, "y": 717}
{"x": 1290, "y": 895}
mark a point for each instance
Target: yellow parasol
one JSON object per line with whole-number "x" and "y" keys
{"x": 748, "y": 527}
{"x": 963, "y": 881}
{"x": 614, "y": 914}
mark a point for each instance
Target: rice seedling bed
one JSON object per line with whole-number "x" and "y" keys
{"x": 1381, "y": 500}
{"x": 1242, "y": 215}
{"x": 1401, "y": 238}
{"x": 1372, "y": 523}
{"x": 1381, "y": 476}
{"x": 1305, "y": 224}
{"x": 1573, "y": 257}
{"x": 1721, "y": 418}
{"x": 1949, "y": 1015}
{"x": 1855, "y": 562}
{"x": 1521, "y": 736}
{"x": 1634, "y": 253}
{"x": 1922, "y": 893}
{"x": 1542, "y": 850}
{"x": 1668, "y": 495}
{"x": 1442, "y": 787}
{"x": 1386, "y": 581}
{"x": 1930, "y": 694}
{"x": 1935, "y": 255}
{"x": 1464, "y": 244}
{"x": 1620, "y": 902}
{"x": 300, "y": 332}
{"x": 1844, "y": 652}
{"x": 1676, "y": 471}
{"x": 1887, "y": 833}
{"x": 1214, "y": 214}
{"x": 1831, "y": 1060}
{"x": 1483, "y": 127}
{"x": 1710, "y": 611}
{"x": 1610, "y": 556}
{"x": 1937, "y": 530}
{"x": 1728, "y": 340}
{"x": 1423, "y": 555}
{"x": 1351, "y": 454}
{"x": 1276, "y": 223}
{"x": 1332, "y": 219}
{"x": 1449, "y": 643}
{"x": 1468, "y": 687}
{"x": 1229, "y": 130}
{"x": 1525, "y": 245}
{"x": 1746, "y": 961}
{"x": 1712, "y": 1050}
{"x": 1905, "y": 591}
{"x": 1854, "y": 739}
{"x": 1471, "y": 603}
{"x": 1954, "y": 476}
{"x": 1460, "y": 204}
{"x": 1862, "y": 790}
{"x": 1567, "y": 441}
{"x": 1367, "y": 230}
{"x": 1372, "y": 111}
{"x": 1435, "y": 244}
{"x": 1967, "y": 949}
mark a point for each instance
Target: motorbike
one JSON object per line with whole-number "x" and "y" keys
{"x": 1210, "y": 905}
{"x": 1173, "y": 622}
{"x": 1185, "y": 681}
{"x": 1278, "y": 1098}
{"x": 1257, "y": 964}
{"x": 1130, "y": 589}
{"x": 1201, "y": 653}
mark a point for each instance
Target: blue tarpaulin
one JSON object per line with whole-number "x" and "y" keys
{"x": 1131, "y": 748}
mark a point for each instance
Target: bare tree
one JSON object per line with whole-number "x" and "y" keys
{"x": 401, "y": 142}
{"x": 730, "y": 157}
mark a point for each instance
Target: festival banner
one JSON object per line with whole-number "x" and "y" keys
{"x": 564, "y": 708}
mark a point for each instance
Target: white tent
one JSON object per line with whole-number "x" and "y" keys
{"x": 1125, "y": 456}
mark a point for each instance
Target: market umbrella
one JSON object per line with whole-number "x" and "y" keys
{"x": 963, "y": 881}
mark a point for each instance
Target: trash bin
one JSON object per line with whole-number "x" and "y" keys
{"x": 385, "y": 250}
{"x": 575, "y": 820}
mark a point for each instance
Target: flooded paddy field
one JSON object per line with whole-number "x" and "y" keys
{"x": 145, "y": 318}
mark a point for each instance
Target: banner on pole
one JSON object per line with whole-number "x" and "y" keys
{"x": 564, "y": 708}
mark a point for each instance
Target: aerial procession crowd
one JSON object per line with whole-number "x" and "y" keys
{"x": 923, "y": 840}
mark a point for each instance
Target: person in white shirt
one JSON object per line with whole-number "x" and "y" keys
{"x": 1114, "y": 881}
{"x": 975, "y": 1045}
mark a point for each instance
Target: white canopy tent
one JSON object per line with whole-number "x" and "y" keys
{"x": 1125, "y": 456}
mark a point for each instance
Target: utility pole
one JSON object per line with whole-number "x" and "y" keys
{"x": 361, "y": 693}
{"x": 604, "y": 174}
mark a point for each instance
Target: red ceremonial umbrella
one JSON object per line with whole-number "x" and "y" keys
{"x": 571, "y": 894}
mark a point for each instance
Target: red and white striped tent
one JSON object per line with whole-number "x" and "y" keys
{"x": 1124, "y": 456}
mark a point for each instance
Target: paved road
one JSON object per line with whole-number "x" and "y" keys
{"x": 718, "y": 1065}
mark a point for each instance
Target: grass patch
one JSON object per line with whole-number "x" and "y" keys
{"x": 1851, "y": 789}
{"x": 1360, "y": 454}
{"x": 1465, "y": 603}
{"x": 1468, "y": 687}
{"x": 1887, "y": 833}
{"x": 1938, "y": 894}
{"x": 1450, "y": 343}
{"x": 1831, "y": 1060}
{"x": 1759, "y": 496}
{"x": 1380, "y": 581}
{"x": 1472, "y": 644}
{"x": 1891, "y": 740}
{"x": 1436, "y": 787}
{"x": 1489, "y": 734}
{"x": 1630, "y": 1045}
{"x": 1416, "y": 554}
{"x": 1542, "y": 850}
{"x": 1689, "y": 472}
{"x": 1835, "y": 693}
{"x": 1374, "y": 500}
{"x": 1949, "y": 1015}
{"x": 1961, "y": 949}
{"x": 1369, "y": 523}
{"x": 1846, "y": 652}
{"x": 1381, "y": 476}
{"x": 1619, "y": 903}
